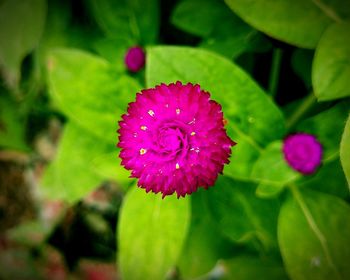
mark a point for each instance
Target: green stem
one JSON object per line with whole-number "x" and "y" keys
{"x": 301, "y": 110}
{"x": 313, "y": 226}
{"x": 329, "y": 12}
{"x": 275, "y": 71}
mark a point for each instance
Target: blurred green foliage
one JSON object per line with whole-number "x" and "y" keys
{"x": 262, "y": 219}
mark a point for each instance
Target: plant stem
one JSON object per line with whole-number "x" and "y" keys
{"x": 329, "y": 12}
{"x": 313, "y": 226}
{"x": 301, "y": 110}
{"x": 275, "y": 71}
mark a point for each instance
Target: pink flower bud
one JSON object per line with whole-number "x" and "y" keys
{"x": 302, "y": 152}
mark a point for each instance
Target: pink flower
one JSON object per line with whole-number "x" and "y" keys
{"x": 173, "y": 139}
{"x": 302, "y": 152}
{"x": 135, "y": 59}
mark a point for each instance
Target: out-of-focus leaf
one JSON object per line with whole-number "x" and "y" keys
{"x": 331, "y": 67}
{"x": 302, "y": 64}
{"x": 314, "y": 236}
{"x": 114, "y": 50}
{"x": 204, "y": 245}
{"x": 9, "y": 264}
{"x": 253, "y": 120}
{"x": 241, "y": 215}
{"x": 89, "y": 92}
{"x": 272, "y": 171}
{"x": 71, "y": 175}
{"x": 345, "y": 150}
{"x": 328, "y": 179}
{"x": 135, "y": 19}
{"x": 297, "y": 22}
{"x": 31, "y": 233}
{"x": 239, "y": 41}
{"x": 21, "y": 25}
{"x": 151, "y": 232}
{"x": 247, "y": 267}
{"x": 199, "y": 17}
{"x": 12, "y": 130}
{"x": 327, "y": 126}
{"x": 230, "y": 38}
{"x": 109, "y": 166}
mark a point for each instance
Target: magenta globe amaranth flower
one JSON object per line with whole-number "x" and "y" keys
{"x": 135, "y": 59}
{"x": 302, "y": 152}
{"x": 173, "y": 139}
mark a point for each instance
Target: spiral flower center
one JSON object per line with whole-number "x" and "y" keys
{"x": 171, "y": 140}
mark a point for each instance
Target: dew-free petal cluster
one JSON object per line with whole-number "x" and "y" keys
{"x": 173, "y": 139}
{"x": 303, "y": 152}
{"x": 135, "y": 59}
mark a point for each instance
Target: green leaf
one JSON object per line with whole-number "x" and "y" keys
{"x": 272, "y": 171}
{"x": 314, "y": 236}
{"x": 296, "y": 22}
{"x": 324, "y": 180}
{"x": 71, "y": 175}
{"x": 247, "y": 267}
{"x": 114, "y": 50}
{"x": 326, "y": 129}
{"x": 230, "y": 38}
{"x": 302, "y": 64}
{"x": 253, "y": 119}
{"x": 62, "y": 31}
{"x": 21, "y": 25}
{"x": 135, "y": 19}
{"x": 151, "y": 232}
{"x": 200, "y": 255}
{"x": 345, "y": 150}
{"x": 109, "y": 166}
{"x": 12, "y": 130}
{"x": 89, "y": 92}
{"x": 242, "y": 216}
{"x": 203, "y": 21}
{"x": 331, "y": 66}
{"x": 238, "y": 42}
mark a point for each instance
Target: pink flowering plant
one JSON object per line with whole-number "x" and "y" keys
{"x": 184, "y": 139}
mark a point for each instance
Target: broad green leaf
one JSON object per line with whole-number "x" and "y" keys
{"x": 327, "y": 126}
{"x": 266, "y": 190}
{"x": 245, "y": 267}
{"x": 230, "y": 38}
{"x": 331, "y": 66}
{"x": 297, "y": 22}
{"x": 135, "y": 19}
{"x": 151, "y": 233}
{"x": 253, "y": 119}
{"x": 114, "y": 50}
{"x": 109, "y": 166}
{"x": 240, "y": 41}
{"x": 72, "y": 36}
{"x": 89, "y": 92}
{"x": 62, "y": 30}
{"x": 345, "y": 150}
{"x": 272, "y": 171}
{"x": 328, "y": 179}
{"x": 302, "y": 64}
{"x": 202, "y": 22}
{"x": 204, "y": 245}
{"x": 21, "y": 25}
{"x": 314, "y": 236}
{"x": 71, "y": 175}
{"x": 12, "y": 130}
{"x": 242, "y": 216}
